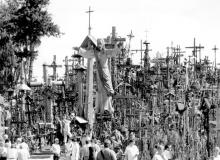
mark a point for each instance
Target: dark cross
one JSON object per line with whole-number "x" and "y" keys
{"x": 195, "y": 49}
{"x": 54, "y": 66}
{"x": 89, "y": 12}
{"x": 130, "y": 36}
{"x": 215, "y": 49}
{"x": 177, "y": 53}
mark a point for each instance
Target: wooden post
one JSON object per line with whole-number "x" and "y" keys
{"x": 80, "y": 89}
{"x": 45, "y": 74}
{"x": 89, "y": 92}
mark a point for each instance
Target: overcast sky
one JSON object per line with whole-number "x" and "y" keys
{"x": 165, "y": 21}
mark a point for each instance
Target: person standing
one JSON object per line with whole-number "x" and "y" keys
{"x": 131, "y": 151}
{"x": 3, "y": 151}
{"x": 159, "y": 154}
{"x": 18, "y": 142}
{"x": 106, "y": 153}
{"x": 56, "y": 149}
{"x": 24, "y": 144}
{"x": 12, "y": 153}
{"x": 68, "y": 149}
{"x": 23, "y": 153}
{"x": 75, "y": 149}
{"x": 167, "y": 152}
{"x": 216, "y": 153}
{"x": 119, "y": 152}
{"x": 84, "y": 152}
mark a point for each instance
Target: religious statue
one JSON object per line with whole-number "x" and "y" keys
{"x": 101, "y": 54}
{"x": 66, "y": 128}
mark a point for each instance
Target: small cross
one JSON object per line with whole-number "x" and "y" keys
{"x": 215, "y": 48}
{"x": 89, "y": 12}
{"x": 130, "y": 35}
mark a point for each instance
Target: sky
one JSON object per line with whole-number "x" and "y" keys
{"x": 162, "y": 22}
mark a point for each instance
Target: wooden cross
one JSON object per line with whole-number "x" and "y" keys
{"x": 89, "y": 12}
{"x": 195, "y": 49}
{"x": 54, "y": 66}
{"x": 177, "y": 53}
{"x": 130, "y": 36}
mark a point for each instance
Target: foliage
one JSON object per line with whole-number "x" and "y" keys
{"x": 22, "y": 24}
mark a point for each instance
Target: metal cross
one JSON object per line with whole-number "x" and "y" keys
{"x": 89, "y": 12}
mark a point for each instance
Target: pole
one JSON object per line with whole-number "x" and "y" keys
{"x": 89, "y": 111}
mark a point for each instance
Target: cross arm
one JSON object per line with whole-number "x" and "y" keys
{"x": 112, "y": 52}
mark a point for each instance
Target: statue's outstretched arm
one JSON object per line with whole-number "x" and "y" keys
{"x": 86, "y": 53}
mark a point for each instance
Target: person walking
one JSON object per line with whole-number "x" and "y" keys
{"x": 75, "y": 149}
{"x": 159, "y": 155}
{"x": 23, "y": 153}
{"x": 68, "y": 149}
{"x": 12, "y": 153}
{"x": 216, "y": 153}
{"x": 106, "y": 153}
{"x": 3, "y": 151}
{"x": 131, "y": 151}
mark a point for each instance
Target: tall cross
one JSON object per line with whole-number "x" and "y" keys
{"x": 54, "y": 66}
{"x": 195, "y": 49}
{"x": 177, "y": 53}
{"x": 215, "y": 49}
{"x": 89, "y": 12}
{"x": 130, "y": 36}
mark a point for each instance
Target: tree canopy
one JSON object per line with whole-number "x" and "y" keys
{"x": 22, "y": 25}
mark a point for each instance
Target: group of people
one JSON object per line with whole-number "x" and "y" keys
{"x": 13, "y": 151}
{"x": 87, "y": 148}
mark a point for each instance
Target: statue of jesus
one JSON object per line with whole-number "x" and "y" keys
{"x": 104, "y": 82}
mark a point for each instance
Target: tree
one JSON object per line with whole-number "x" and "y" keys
{"x": 22, "y": 25}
